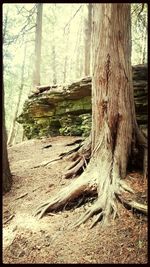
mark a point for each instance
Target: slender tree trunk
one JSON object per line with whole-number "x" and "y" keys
{"x": 54, "y": 64}
{"x": 12, "y": 131}
{"x": 38, "y": 42}
{"x": 143, "y": 49}
{"x": 78, "y": 58}
{"x": 87, "y": 39}
{"x": 66, "y": 55}
{"x": 7, "y": 177}
{"x": 54, "y": 46}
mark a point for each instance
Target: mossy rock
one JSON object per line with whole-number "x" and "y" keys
{"x": 66, "y": 110}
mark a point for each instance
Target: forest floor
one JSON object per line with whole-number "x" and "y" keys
{"x": 26, "y": 239}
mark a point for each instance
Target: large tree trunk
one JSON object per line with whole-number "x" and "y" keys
{"x": 114, "y": 127}
{"x": 7, "y": 177}
{"x": 38, "y": 41}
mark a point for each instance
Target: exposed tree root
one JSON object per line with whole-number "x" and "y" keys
{"x": 102, "y": 175}
{"x": 70, "y": 152}
{"x": 45, "y": 163}
{"x": 74, "y": 168}
{"x": 67, "y": 194}
{"x": 81, "y": 158}
{"x": 104, "y": 206}
{"x": 143, "y": 208}
{"x": 75, "y": 142}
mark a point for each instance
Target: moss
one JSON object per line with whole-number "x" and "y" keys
{"x": 71, "y": 131}
{"x": 31, "y": 131}
{"x": 74, "y": 106}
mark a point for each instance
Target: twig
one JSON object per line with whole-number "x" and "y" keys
{"x": 23, "y": 195}
{"x": 10, "y": 218}
{"x": 72, "y": 18}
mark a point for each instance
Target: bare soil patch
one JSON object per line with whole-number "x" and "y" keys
{"x": 50, "y": 240}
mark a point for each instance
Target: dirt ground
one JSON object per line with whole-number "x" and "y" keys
{"x": 51, "y": 239}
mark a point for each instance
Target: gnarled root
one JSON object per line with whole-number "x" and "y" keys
{"x": 109, "y": 190}
{"x": 104, "y": 206}
{"x": 66, "y": 195}
{"x": 80, "y": 158}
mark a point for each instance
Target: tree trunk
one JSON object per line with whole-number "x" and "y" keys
{"x": 54, "y": 46}
{"x": 38, "y": 42}
{"x": 143, "y": 48}
{"x": 78, "y": 54}
{"x": 114, "y": 126}
{"x": 7, "y": 177}
{"x": 66, "y": 55}
{"x": 87, "y": 39}
{"x": 12, "y": 131}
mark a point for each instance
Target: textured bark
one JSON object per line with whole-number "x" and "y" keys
{"x": 112, "y": 122}
{"x": 113, "y": 117}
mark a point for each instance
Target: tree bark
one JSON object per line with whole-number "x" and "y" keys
{"x": 114, "y": 125}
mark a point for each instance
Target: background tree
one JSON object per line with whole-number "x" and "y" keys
{"x": 13, "y": 53}
{"x": 7, "y": 177}
{"x": 38, "y": 41}
{"x": 114, "y": 127}
{"x": 139, "y": 33}
{"x": 67, "y": 34}
{"x": 54, "y": 44}
{"x": 87, "y": 32}
{"x": 12, "y": 131}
